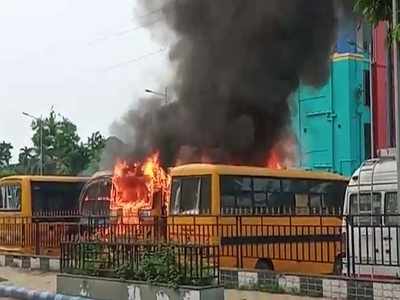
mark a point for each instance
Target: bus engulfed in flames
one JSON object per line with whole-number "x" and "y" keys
{"x": 140, "y": 187}
{"x": 127, "y": 192}
{"x": 137, "y": 191}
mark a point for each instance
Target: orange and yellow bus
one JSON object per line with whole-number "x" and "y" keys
{"x": 283, "y": 220}
{"x": 35, "y": 212}
{"x": 29, "y": 196}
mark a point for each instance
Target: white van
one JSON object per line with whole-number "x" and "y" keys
{"x": 372, "y": 220}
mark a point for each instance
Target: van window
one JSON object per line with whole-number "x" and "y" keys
{"x": 392, "y": 207}
{"x": 366, "y": 210}
{"x": 191, "y": 195}
{"x": 10, "y": 196}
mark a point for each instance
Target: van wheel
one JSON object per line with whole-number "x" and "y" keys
{"x": 264, "y": 264}
{"x": 338, "y": 266}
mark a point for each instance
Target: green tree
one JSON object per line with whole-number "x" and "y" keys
{"x": 93, "y": 149}
{"x": 26, "y": 159}
{"x": 5, "y": 154}
{"x": 63, "y": 151}
{"x": 377, "y": 10}
{"x": 61, "y": 147}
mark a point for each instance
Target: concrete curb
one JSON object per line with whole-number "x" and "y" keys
{"x": 328, "y": 287}
{"x": 26, "y": 294}
{"x": 42, "y": 263}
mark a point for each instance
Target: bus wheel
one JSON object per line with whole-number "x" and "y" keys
{"x": 264, "y": 264}
{"x": 338, "y": 267}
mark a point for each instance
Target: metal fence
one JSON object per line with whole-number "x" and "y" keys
{"x": 187, "y": 264}
{"x": 36, "y": 235}
{"x": 373, "y": 245}
{"x": 356, "y": 243}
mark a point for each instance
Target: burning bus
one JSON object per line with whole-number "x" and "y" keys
{"x": 132, "y": 193}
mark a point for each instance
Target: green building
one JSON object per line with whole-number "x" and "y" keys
{"x": 332, "y": 123}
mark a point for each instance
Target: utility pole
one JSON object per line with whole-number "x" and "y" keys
{"x": 164, "y": 95}
{"x": 396, "y": 93}
{"x": 38, "y": 121}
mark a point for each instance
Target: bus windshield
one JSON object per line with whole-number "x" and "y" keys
{"x": 55, "y": 196}
{"x": 10, "y": 196}
{"x": 191, "y": 195}
{"x": 295, "y": 196}
{"x": 96, "y": 197}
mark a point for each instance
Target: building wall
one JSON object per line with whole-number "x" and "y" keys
{"x": 383, "y": 106}
{"x": 331, "y": 122}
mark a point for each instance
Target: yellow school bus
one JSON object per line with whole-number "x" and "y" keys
{"x": 283, "y": 220}
{"x": 34, "y": 211}
{"x": 39, "y": 195}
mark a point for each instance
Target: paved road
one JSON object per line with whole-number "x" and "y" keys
{"x": 42, "y": 281}
{"x": 36, "y": 280}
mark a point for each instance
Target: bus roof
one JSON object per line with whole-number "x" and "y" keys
{"x": 203, "y": 169}
{"x": 45, "y": 178}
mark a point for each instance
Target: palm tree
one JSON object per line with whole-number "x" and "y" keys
{"x": 25, "y": 158}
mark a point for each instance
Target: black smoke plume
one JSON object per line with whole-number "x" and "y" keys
{"x": 237, "y": 64}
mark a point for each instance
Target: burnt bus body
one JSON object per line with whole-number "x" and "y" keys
{"x": 96, "y": 197}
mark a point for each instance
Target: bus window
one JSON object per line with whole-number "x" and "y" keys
{"x": 392, "y": 207}
{"x": 191, "y": 195}
{"x": 175, "y": 195}
{"x": 10, "y": 197}
{"x": 296, "y": 192}
{"x": 334, "y": 194}
{"x": 205, "y": 195}
{"x": 302, "y": 204}
{"x": 361, "y": 204}
{"x": 55, "y": 196}
{"x": 263, "y": 194}
{"x": 236, "y": 192}
{"x": 264, "y": 188}
{"x": 326, "y": 196}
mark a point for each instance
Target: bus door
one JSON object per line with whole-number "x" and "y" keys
{"x": 365, "y": 232}
{"x": 391, "y": 233}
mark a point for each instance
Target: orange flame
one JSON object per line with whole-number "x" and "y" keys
{"x": 135, "y": 185}
{"x": 283, "y": 154}
{"x": 274, "y": 161}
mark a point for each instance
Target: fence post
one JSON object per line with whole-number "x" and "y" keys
{"x": 347, "y": 244}
{"x": 36, "y": 226}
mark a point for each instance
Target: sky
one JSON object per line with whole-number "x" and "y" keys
{"x": 88, "y": 59}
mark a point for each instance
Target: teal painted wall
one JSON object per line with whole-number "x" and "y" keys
{"x": 329, "y": 122}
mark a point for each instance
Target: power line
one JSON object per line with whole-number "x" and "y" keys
{"x": 123, "y": 32}
{"x": 134, "y": 60}
{"x": 127, "y": 31}
{"x": 151, "y": 12}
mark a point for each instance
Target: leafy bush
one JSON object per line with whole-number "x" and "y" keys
{"x": 156, "y": 266}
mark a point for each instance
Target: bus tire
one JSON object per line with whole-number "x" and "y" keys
{"x": 264, "y": 264}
